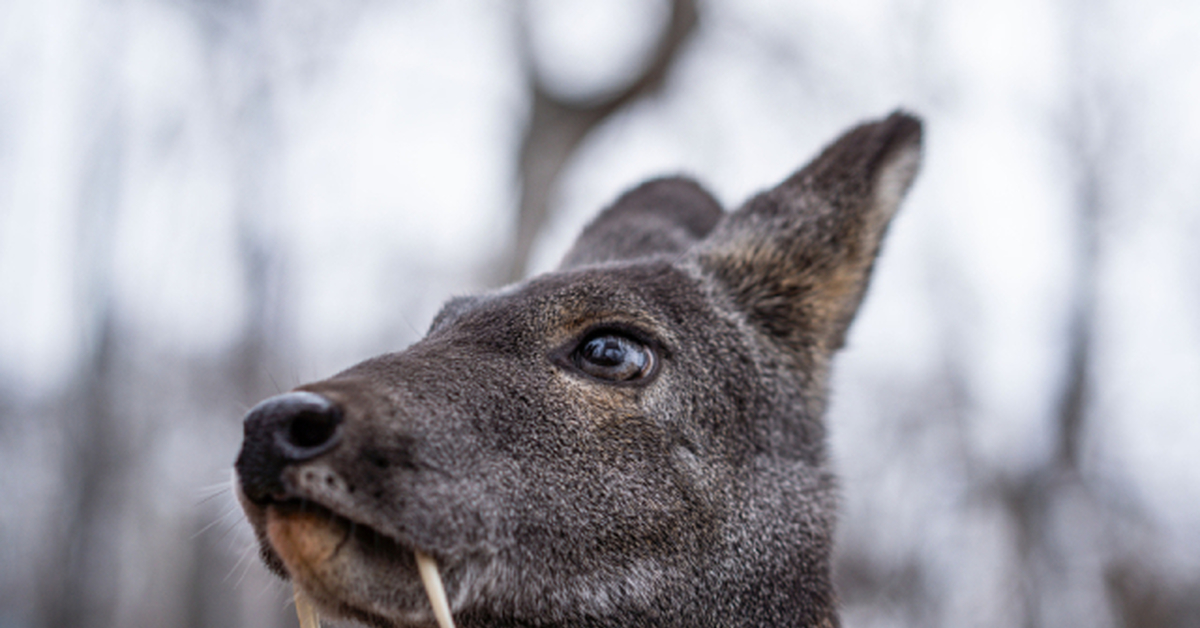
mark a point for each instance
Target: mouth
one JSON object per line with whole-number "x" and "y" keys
{"x": 348, "y": 569}
{"x": 306, "y": 534}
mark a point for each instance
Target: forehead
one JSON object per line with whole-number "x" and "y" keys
{"x": 648, "y": 294}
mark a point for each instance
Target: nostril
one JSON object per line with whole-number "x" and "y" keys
{"x": 309, "y": 429}
{"x": 281, "y": 431}
{"x": 293, "y": 427}
{"x": 306, "y": 426}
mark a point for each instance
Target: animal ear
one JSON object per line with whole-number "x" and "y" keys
{"x": 796, "y": 259}
{"x": 659, "y": 216}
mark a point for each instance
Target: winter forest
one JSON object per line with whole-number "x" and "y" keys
{"x": 207, "y": 202}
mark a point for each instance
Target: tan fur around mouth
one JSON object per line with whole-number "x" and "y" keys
{"x": 304, "y": 541}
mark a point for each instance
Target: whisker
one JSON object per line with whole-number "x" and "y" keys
{"x": 218, "y": 519}
{"x": 241, "y": 559}
{"x": 245, "y": 570}
{"x": 205, "y": 500}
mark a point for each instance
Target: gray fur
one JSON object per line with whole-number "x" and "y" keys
{"x": 661, "y": 216}
{"x": 697, "y": 496}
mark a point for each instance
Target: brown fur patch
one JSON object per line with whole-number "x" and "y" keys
{"x": 306, "y": 541}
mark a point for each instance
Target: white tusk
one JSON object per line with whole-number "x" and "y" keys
{"x": 433, "y": 588}
{"x": 305, "y": 609}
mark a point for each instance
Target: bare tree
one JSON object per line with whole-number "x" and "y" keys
{"x": 558, "y": 124}
{"x": 1085, "y": 131}
{"x": 78, "y": 567}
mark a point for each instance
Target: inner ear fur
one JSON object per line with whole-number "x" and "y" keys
{"x": 661, "y": 216}
{"x": 796, "y": 259}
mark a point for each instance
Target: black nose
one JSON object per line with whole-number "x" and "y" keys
{"x": 281, "y": 431}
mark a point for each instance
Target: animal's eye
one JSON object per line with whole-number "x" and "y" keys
{"x": 613, "y": 357}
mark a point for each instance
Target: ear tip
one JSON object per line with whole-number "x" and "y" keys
{"x": 673, "y": 185}
{"x": 897, "y": 140}
{"x": 904, "y": 128}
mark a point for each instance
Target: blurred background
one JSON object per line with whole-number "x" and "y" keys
{"x": 206, "y": 202}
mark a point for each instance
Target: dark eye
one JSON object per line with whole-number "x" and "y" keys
{"x": 613, "y": 357}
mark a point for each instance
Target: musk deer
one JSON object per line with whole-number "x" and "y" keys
{"x": 633, "y": 439}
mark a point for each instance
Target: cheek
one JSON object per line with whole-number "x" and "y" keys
{"x": 597, "y": 405}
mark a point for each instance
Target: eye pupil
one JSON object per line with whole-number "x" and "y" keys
{"x": 613, "y": 357}
{"x": 604, "y": 351}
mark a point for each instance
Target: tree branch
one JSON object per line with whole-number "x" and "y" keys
{"x": 558, "y": 125}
